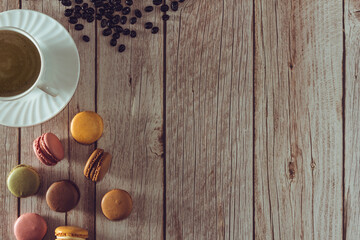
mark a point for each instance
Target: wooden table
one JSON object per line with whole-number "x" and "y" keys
{"x": 240, "y": 120}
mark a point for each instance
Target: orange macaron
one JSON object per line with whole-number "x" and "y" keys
{"x": 87, "y": 127}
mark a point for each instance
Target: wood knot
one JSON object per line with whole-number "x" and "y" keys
{"x": 291, "y": 65}
{"x": 313, "y": 165}
{"x": 292, "y": 170}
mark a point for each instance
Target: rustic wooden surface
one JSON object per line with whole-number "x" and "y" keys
{"x": 240, "y": 120}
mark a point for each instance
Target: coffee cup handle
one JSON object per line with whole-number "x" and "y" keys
{"x": 47, "y": 89}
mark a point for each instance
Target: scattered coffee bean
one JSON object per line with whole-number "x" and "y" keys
{"x": 107, "y": 32}
{"x": 118, "y": 8}
{"x": 118, "y": 29}
{"x": 164, "y": 8}
{"x": 133, "y": 20}
{"x": 154, "y": 30}
{"x": 122, "y": 48}
{"x": 113, "y": 42}
{"x": 116, "y": 19}
{"x": 77, "y": 15}
{"x": 98, "y": 4}
{"x": 68, "y": 12}
{"x": 138, "y": 13}
{"x": 149, "y": 9}
{"x": 126, "y": 31}
{"x": 79, "y": 1}
{"x": 133, "y": 34}
{"x": 157, "y": 2}
{"x": 110, "y": 24}
{"x": 77, "y": 8}
{"x": 181, "y": 0}
{"x": 103, "y": 23}
{"x": 108, "y": 15}
{"x": 125, "y": 10}
{"x": 175, "y": 5}
{"x": 79, "y": 27}
{"x": 123, "y": 19}
{"x": 66, "y": 3}
{"x": 129, "y": 2}
{"x": 84, "y": 16}
{"x": 86, "y": 38}
{"x": 90, "y": 19}
{"x": 90, "y": 10}
{"x": 73, "y": 20}
{"x": 101, "y": 11}
{"x": 85, "y": 6}
{"x": 98, "y": 16}
{"x": 148, "y": 25}
{"x": 116, "y": 35}
{"x": 111, "y": 11}
{"x": 165, "y": 17}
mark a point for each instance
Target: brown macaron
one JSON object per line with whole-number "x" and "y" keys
{"x": 62, "y": 196}
{"x": 116, "y": 205}
{"x": 97, "y": 165}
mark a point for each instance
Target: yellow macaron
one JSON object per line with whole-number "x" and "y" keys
{"x": 71, "y": 232}
{"x": 87, "y": 127}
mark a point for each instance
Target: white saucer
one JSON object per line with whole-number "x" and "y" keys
{"x": 64, "y": 69}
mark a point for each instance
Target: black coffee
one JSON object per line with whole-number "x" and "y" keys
{"x": 20, "y": 63}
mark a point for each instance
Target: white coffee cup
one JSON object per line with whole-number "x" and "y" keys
{"x": 40, "y": 82}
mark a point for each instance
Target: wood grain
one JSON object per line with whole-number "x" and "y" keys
{"x": 209, "y": 125}
{"x": 298, "y": 119}
{"x": 352, "y": 121}
{"x": 130, "y": 100}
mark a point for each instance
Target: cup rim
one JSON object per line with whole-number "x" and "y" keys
{"x": 33, "y": 40}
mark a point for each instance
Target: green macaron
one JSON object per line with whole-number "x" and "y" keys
{"x": 23, "y": 181}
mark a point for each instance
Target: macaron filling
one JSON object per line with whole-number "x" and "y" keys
{"x": 90, "y": 171}
{"x": 40, "y": 154}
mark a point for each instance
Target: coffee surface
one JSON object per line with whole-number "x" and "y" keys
{"x": 20, "y": 63}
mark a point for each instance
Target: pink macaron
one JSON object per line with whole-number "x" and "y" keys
{"x": 30, "y": 226}
{"x": 48, "y": 149}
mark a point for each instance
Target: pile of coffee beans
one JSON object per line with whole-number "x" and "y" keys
{"x": 114, "y": 15}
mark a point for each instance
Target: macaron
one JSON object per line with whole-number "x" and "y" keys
{"x": 23, "y": 181}
{"x": 48, "y": 149}
{"x": 71, "y": 232}
{"x": 116, "y": 204}
{"x": 30, "y": 226}
{"x": 62, "y": 196}
{"x": 97, "y": 165}
{"x": 87, "y": 127}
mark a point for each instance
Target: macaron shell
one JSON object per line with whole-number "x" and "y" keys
{"x": 53, "y": 146}
{"x": 87, "y": 127}
{"x": 39, "y": 154}
{"x": 103, "y": 167}
{"x": 30, "y": 226}
{"x": 116, "y": 204}
{"x": 23, "y": 181}
{"x": 94, "y": 157}
{"x": 71, "y": 232}
{"x": 62, "y": 196}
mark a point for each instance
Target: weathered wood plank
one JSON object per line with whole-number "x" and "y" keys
{"x": 130, "y": 100}
{"x": 209, "y": 121}
{"x": 352, "y": 121}
{"x": 298, "y": 119}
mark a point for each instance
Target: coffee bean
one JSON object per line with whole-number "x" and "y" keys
{"x": 110, "y": 24}
{"x": 90, "y": 10}
{"x": 165, "y": 17}
{"x": 90, "y": 19}
{"x": 126, "y": 31}
{"x": 106, "y": 6}
{"x": 86, "y": 38}
{"x": 79, "y": 1}
{"x": 73, "y": 20}
{"x": 66, "y": 3}
{"x": 118, "y": 8}
{"x": 77, "y": 8}
{"x": 79, "y": 27}
{"x": 133, "y": 34}
{"x": 148, "y": 25}
{"x": 122, "y": 48}
{"x": 113, "y": 42}
{"x": 123, "y": 19}
{"x": 85, "y": 6}
{"x": 101, "y": 11}
{"x": 108, "y": 15}
{"x": 98, "y": 16}
{"x": 77, "y": 15}
{"x": 103, "y": 23}
{"x": 118, "y": 29}
{"x": 157, "y": 2}
{"x": 133, "y": 20}
{"x": 68, "y": 12}
{"x": 107, "y": 32}
{"x": 164, "y": 8}
{"x": 149, "y": 9}
{"x": 116, "y": 19}
{"x": 98, "y": 4}
{"x": 174, "y": 6}
{"x": 138, "y": 13}
{"x": 111, "y": 11}
{"x": 154, "y": 30}
{"x": 181, "y": 0}
{"x": 84, "y": 16}
{"x": 129, "y": 2}
{"x": 116, "y": 35}
{"x": 126, "y": 10}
